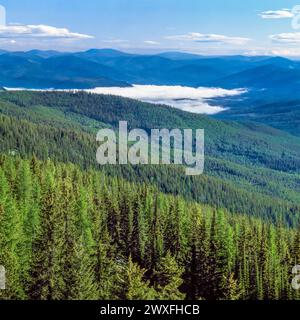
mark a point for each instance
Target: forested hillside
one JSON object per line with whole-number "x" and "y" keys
{"x": 70, "y": 229}
{"x": 248, "y": 143}
{"x": 249, "y": 168}
{"x": 283, "y": 114}
{"x": 72, "y": 234}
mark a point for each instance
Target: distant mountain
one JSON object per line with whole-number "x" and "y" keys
{"x": 274, "y": 96}
{"x": 60, "y": 71}
{"x": 274, "y": 73}
{"x": 173, "y": 55}
{"x": 44, "y": 54}
{"x": 102, "y": 53}
{"x": 262, "y": 77}
{"x": 109, "y": 67}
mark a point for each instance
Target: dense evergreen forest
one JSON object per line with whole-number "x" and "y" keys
{"x": 70, "y": 229}
{"x": 72, "y": 234}
{"x": 249, "y": 168}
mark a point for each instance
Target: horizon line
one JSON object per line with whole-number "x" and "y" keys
{"x": 159, "y": 52}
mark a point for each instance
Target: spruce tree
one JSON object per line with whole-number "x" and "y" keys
{"x": 134, "y": 286}
{"x": 10, "y": 241}
{"x": 46, "y": 271}
{"x": 168, "y": 279}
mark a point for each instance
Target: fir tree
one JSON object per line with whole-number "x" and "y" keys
{"x": 168, "y": 279}
{"x": 135, "y": 287}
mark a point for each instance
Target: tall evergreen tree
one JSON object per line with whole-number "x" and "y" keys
{"x": 134, "y": 286}
{"x": 168, "y": 279}
{"x": 46, "y": 273}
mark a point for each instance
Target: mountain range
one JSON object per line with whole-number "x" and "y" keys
{"x": 108, "y": 67}
{"x": 272, "y": 83}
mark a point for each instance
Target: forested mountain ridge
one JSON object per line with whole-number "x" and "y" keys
{"x": 258, "y": 178}
{"x": 257, "y": 143}
{"x": 30, "y": 70}
{"x": 280, "y": 113}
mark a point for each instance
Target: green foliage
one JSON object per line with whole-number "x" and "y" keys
{"x": 168, "y": 279}
{"x": 135, "y": 287}
{"x": 249, "y": 168}
{"x": 72, "y": 231}
{"x": 81, "y": 247}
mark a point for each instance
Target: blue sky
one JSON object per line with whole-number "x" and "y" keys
{"x": 206, "y": 27}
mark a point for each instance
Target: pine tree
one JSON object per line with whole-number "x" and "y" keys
{"x": 83, "y": 221}
{"x": 168, "y": 279}
{"x": 134, "y": 286}
{"x": 28, "y": 197}
{"x": 10, "y": 241}
{"x": 232, "y": 290}
{"x": 174, "y": 237}
{"x": 79, "y": 249}
{"x": 201, "y": 276}
{"x": 82, "y": 284}
{"x": 156, "y": 237}
{"x": 138, "y": 237}
{"x": 46, "y": 274}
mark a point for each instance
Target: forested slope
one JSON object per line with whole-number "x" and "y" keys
{"x": 72, "y": 234}
{"x": 71, "y": 231}
{"x": 249, "y": 168}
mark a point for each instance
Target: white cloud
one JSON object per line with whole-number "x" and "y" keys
{"x": 276, "y": 51}
{"x": 209, "y": 38}
{"x": 277, "y": 14}
{"x": 289, "y": 52}
{"x": 286, "y": 52}
{"x": 288, "y": 38}
{"x": 39, "y": 31}
{"x": 151, "y": 42}
{"x": 184, "y": 98}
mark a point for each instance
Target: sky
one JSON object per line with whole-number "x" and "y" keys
{"x": 214, "y": 27}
